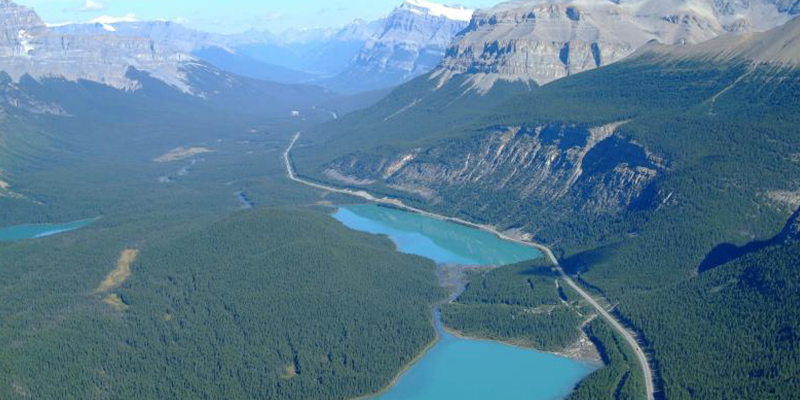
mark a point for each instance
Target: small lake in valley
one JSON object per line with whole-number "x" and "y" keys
{"x": 456, "y": 368}
{"x": 442, "y": 241}
{"x": 35, "y": 231}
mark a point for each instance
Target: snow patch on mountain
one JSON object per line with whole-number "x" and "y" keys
{"x": 109, "y": 20}
{"x": 411, "y": 42}
{"x": 29, "y": 47}
{"x": 422, "y": 7}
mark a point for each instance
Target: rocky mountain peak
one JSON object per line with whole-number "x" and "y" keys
{"x": 543, "y": 40}
{"x": 418, "y": 21}
{"x": 28, "y": 47}
{"x": 778, "y": 47}
{"x": 411, "y": 41}
{"x": 359, "y": 29}
{"x": 13, "y": 15}
{"x": 19, "y": 27}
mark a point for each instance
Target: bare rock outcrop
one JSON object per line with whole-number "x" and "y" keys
{"x": 29, "y": 47}
{"x": 544, "y": 40}
{"x": 590, "y": 170}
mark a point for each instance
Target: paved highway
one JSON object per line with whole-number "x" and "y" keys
{"x": 626, "y": 334}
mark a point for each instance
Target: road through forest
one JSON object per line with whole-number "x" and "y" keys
{"x": 626, "y": 334}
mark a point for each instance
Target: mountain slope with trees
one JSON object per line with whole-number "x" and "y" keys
{"x": 635, "y": 174}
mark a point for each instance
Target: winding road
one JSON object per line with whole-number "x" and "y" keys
{"x": 626, "y": 334}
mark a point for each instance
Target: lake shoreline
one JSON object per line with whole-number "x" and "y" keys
{"x": 414, "y": 361}
{"x": 453, "y": 277}
{"x": 511, "y": 236}
{"x": 596, "y": 362}
{"x": 18, "y": 233}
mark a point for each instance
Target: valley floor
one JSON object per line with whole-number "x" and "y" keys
{"x": 628, "y": 336}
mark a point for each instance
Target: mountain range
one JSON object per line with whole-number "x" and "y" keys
{"x": 538, "y": 41}
{"x": 411, "y": 42}
{"x": 531, "y": 42}
{"x": 127, "y": 55}
{"x": 358, "y": 57}
{"x": 29, "y": 47}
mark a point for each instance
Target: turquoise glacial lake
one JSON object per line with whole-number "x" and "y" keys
{"x": 21, "y": 232}
{"x": 456, "y": 368}
{"x": 442, "y": 241}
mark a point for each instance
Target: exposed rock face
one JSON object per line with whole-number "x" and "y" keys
{"x": 551, "y": 164}
{"x": 11, "y": 95}
{"x": 363, "y": 55}
{"x": 412, "y": 42}
{"x": 28, "y": 47}
{"x": 778, "y": 47}
{"x": 18, "y": 27}
{"x": 359, "y": 30}
{"x": 170, "y": 34}
{"x": 544, "y": 40}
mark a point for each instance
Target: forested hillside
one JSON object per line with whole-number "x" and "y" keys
{"x": 621, "y": 378}
{"x": 174, "y": 292}
{"x": 289, "y": 304}
{"x": 663, "y": 183}
{"x": 732, "y": 333}
{"x": 408, "y": 115}
{"x": 518, "y": 303}
{"x": 635, "y": 174}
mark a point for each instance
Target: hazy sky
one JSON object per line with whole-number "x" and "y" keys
{"x": 226, "y": 15}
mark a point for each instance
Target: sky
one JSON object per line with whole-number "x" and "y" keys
{"x": 226, "y": 16}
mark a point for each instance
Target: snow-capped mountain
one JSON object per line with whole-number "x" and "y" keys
{"x": 543, "y": 40}
{"x": 360, "y": 56}
{"x": 412, "y": 42}
{"x": 172, "y": 34}
{"x": 125, "y": 61}
{"x": 297, "y": 55}
{"x": 423, "y": 7}
{"x": 29, "y": 47}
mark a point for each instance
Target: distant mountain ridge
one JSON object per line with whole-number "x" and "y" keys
{"x": 173, "y": 34}
{"x": 361, "y": 56}
{"x": 412, "y": 42}
{"x": 544, "y": 40}
{"x": 40, "y": 69}
{"x": 645, "y": 175}
{"x": 254, "y": 53}
{"x": 29, "y": 47}
{"x": 779, "y": 47}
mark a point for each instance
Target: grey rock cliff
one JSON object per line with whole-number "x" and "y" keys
{"x": 552, "y": 164}
{"x": 167, "y": 33}
{"x": 411, "y": 42}
{"x": 544, "y": 40}
{"x": 28, "y": 47}
{"x": 779, "y": 47}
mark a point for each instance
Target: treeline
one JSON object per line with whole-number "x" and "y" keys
{"x": 271, "y": 303}
{"x": 265, "y": 304}
{"x": 518, "y": 303}
{"x": 724, "y": 165}
{"x": 621, "y": 378}
{"x": 732, "y": 333}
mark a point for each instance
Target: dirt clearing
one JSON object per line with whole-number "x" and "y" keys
{"x": 118, "y": 276}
